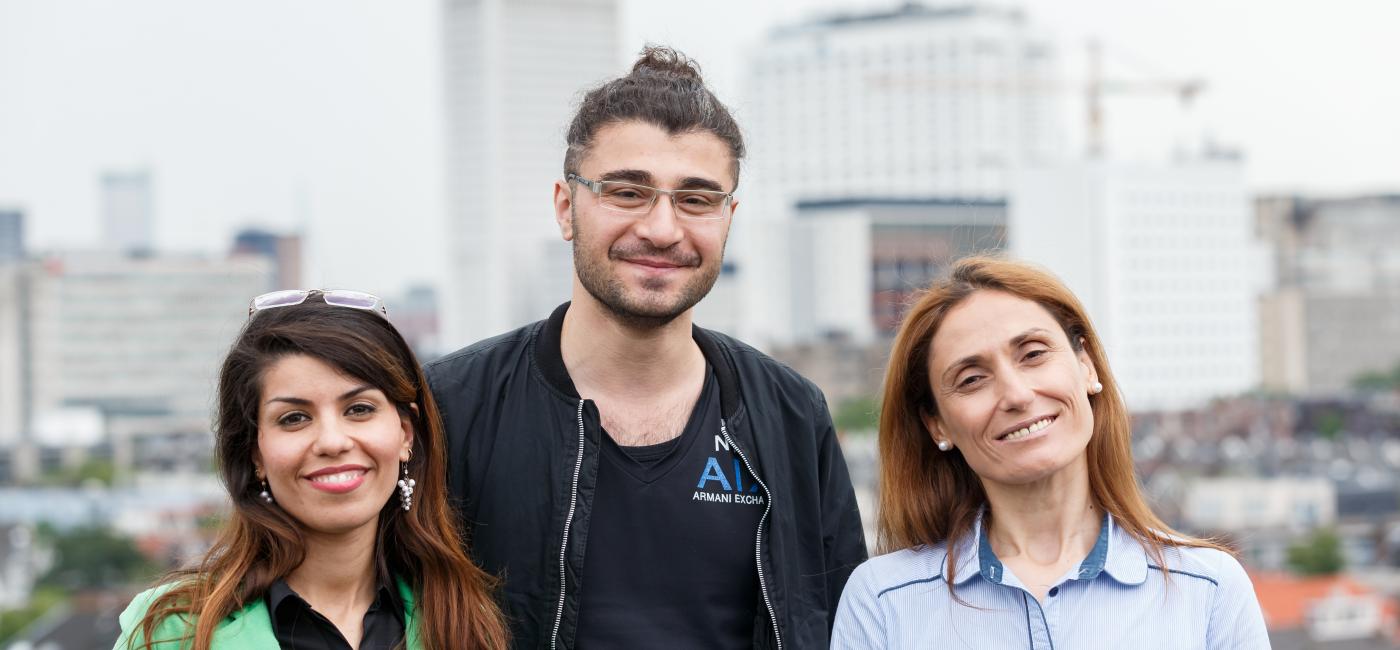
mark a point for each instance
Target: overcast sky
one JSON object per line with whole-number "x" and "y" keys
{"x": 323, "y": 115}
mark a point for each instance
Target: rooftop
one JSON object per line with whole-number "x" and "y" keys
{"x": 903, "y": 13}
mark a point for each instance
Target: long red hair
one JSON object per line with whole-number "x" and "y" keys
{"x": 928, "y": 496}
{"x": 261, "y": 542}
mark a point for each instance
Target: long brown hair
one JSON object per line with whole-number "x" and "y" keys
{"x": 929, "y": 496}
{"x": 261, "y": 542}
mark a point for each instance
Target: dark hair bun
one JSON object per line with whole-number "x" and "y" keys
{"x": 665, "y": 61}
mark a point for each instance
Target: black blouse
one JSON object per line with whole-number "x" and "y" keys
{"x": 299, "y": 627}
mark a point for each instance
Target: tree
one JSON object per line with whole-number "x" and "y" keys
{"x": 1378, "y": 380}
{"x": 1330, "y": 423}
{"x": 87, "y": 558}
{"x": 857, "y": 415}
{"x": 93, "y": 471}
{"x": 1318, "y": 554}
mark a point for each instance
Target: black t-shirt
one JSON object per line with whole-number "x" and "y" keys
{"x": 670, "y": 558}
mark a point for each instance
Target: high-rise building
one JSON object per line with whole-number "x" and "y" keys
{"x": 128, "y": 210}
{"x": 11, "y": 234}
{"x": 914, "y": 103}
{"x": 1164, "y": 258}
{"x": 513, "y": 70}
{"x": 1334, "y": 313}
{"x": 283, "y": 250}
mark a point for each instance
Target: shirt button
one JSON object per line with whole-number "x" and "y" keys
{"x": 1054, "y": 591}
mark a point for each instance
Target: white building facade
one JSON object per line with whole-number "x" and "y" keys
{"x": 1247, "y": 504}
{"x": 137, "y": 341}
{"x": 513, "y": 72}
{"x": 914, "y": 103}
{"x": 1164, "y": 258}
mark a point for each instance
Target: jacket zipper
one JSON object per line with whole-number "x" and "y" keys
{"x": 758, "y": 544}
{"x": 568, "y": 521}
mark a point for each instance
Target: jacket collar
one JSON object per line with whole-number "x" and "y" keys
{"x": 550, "y": 359}
{"x": 1115, "y": 553}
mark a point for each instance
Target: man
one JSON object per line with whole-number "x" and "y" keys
{"x": 638, "y": 482}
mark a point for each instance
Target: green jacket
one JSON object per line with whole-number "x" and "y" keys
{"x": 250, "y": 627}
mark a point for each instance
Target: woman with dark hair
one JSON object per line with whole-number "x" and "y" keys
{"x": 1008, "y": 503}
{"x": 340, "y": 536}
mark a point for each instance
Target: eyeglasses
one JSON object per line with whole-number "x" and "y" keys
{"x": 337, "y": 297}
{"x": 631, "y": 198}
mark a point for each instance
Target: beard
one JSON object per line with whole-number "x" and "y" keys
{"x": 652, "y": 306}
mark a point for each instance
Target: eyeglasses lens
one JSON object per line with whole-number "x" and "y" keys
{"x": 279, "y": 299}
{"x": 354, "y": 299}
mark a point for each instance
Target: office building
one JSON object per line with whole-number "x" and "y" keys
{"x": 913, "y": 102}
{"x": 135, "y": 340}
{"x": 513, "y": 70}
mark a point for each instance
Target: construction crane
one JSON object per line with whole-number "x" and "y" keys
{"x": 1186, "y": 91}
{"x": 1094, "y": 90}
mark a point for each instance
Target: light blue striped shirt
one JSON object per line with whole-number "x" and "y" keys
{"x": 1115, "y": 598}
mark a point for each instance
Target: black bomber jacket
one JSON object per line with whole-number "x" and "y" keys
{"x": 522, "y": 458}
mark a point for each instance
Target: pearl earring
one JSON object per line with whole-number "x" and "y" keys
{"x": 944, "y": 445}
{"x": 265, "y": 495}
{"x": 406, "y": 489}
{"x": 1096, "y": 388}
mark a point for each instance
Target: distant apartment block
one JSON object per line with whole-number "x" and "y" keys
{"x": 1235, "y": 505}
{"x": 1164, "y": 258}
{"x": 1334, "y": 311}
{"x": 513, "y": 72}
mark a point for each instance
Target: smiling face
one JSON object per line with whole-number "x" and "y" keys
{"x": 1012, "y": 392}
{"x": 646, "y": 269}
{"x": 329, "y": 445}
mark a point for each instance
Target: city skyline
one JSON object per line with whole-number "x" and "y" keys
{"x": 275, "y": 116}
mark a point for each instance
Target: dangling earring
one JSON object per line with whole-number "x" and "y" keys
{"x": 406, "y": 488}
{"x": 1096, "y": 388}
{"x": 944, "y": 445}
{"x": 265, "y": 495}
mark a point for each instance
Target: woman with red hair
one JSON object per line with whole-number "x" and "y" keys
{"x": 1008, "y": 504}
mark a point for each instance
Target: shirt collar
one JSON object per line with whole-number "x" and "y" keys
{"x": 280, "y": 593}
{"x": 1116, "y": 553}
{"x": 1126, "y": 561}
